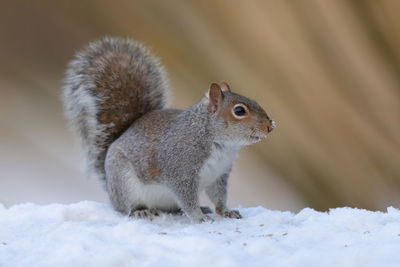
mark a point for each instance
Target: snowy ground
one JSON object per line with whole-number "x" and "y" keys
{"x": 92, "y": 234}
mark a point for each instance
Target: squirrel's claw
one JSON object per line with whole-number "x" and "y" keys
{"x": 206, "y": 218}
{"x": 144, "y": 214}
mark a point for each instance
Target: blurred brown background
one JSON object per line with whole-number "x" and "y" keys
{"x": 326, "y": 71}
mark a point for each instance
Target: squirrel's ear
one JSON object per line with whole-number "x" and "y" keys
{"x": 215, "y": 96}
{"x": 225, "y": 87}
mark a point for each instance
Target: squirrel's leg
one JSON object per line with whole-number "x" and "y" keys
{"x": 217, "y": 192}
{"x": 188, "y": 199}
{"x": 124, "y": 187}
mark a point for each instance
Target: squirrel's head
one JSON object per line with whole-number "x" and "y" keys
{"x": 239, "y": 119}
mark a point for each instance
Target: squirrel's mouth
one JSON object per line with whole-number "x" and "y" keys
{"x": 257, "y": 138}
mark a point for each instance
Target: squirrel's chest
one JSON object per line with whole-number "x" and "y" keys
{"x": 218, "y": 163}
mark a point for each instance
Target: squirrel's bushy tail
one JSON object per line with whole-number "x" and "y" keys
{"x": 108, "y": 85}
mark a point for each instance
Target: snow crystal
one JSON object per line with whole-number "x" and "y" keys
{"x": 93, "y": 234}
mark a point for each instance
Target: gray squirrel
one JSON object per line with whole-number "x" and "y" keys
{"x": 153, "y": 159}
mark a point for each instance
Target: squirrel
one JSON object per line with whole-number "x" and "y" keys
{"x": 153, "y": 159}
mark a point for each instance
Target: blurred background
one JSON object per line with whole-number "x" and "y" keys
{"x": 326, "y": 71}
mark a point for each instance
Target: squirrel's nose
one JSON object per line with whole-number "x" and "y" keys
{"x": 271, "y": 126}
{"x": 268, "y": 126}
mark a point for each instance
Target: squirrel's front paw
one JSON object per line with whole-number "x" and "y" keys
{"x": 197, "y": 216}
{"x": 206, "y": 218}
{"x": 201, "y": 218}
{"x": 230, "y": 214}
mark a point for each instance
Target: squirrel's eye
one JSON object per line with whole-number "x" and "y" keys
{"x": 239, "y": 111}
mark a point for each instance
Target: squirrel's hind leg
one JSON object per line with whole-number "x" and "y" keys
{"x": 122, "y": 184}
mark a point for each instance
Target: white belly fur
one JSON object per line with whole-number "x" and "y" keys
{"x": 217, "y": 164}
{"x": 161, "y": 197}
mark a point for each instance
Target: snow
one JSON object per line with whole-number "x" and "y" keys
{"x": 93, "y": 234}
